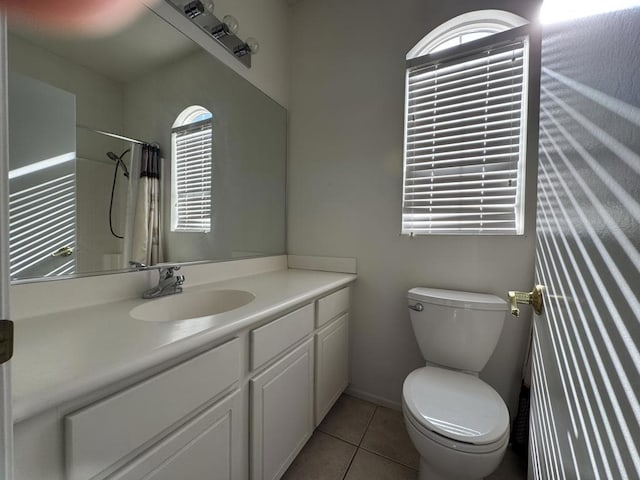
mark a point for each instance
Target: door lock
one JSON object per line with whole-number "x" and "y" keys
{"x": 533, "y": 298}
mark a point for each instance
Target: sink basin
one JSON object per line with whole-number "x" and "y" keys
{"x": 183, "y": 306}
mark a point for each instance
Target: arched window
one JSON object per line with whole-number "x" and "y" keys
{"x": 192, "y": 142}
{"x": 465, "y": 127}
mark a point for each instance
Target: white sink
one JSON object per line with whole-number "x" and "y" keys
{"x": 184, "y": 306}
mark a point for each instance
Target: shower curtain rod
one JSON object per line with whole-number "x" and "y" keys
{"x": 113, "y": 135}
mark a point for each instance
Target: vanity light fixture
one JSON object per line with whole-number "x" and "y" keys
{"x": 194, "y": 9}
{"x": 200, "y": 12}
{"x": 229, "y": 26}
{"x": 251, "y": 46}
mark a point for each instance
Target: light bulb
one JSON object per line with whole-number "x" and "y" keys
{"x": 208, "y": 5}
{"x": 253, "y": 45}
{"x": 231, "y": 22}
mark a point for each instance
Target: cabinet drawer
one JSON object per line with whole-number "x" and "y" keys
{"x": 208, "y": 447}
{"x": 105, "y": 432}
{"x": 332, "y": 305}
{"x": 275, "y": 337}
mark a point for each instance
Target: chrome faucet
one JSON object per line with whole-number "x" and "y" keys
{"x": 137, "y": 265}
{"x": 168, "y": 284}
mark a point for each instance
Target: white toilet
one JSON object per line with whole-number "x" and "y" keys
{"x": 458, "y": 423}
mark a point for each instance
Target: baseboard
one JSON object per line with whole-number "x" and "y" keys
{"x": 369, "y": 397}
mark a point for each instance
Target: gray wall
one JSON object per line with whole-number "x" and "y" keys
{"x": 586, "y": 367}
{"x": 345, "y": 185}
{"x": 99, "y": 104}
{"x": 249, "y": 151}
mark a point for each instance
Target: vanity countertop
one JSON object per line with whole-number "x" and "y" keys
{"x": 63, "y": 356}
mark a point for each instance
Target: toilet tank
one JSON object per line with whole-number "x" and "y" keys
{"x": 456, "y": 329}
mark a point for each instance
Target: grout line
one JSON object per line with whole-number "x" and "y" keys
{"x": 366, "y": 429}
{"x": 338, "y": 438}
{"x": 396, "y": 461}
{"x": 346, "y": 472}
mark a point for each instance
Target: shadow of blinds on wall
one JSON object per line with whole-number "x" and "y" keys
{"x": 464, "y": 139}
{"x": 42, "y": 219}
{"x": 586, "y": 365}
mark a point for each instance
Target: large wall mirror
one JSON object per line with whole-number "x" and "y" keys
{"x": 140, "y": 147}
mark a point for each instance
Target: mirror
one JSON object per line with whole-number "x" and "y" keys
{"x": 137, "y": 147}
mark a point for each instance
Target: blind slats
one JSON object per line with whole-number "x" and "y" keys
{"x": 463, "y": 137}
{"x": 192, "y": 177}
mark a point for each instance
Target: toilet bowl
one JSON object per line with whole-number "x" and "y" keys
{"x": 457, "y": 422}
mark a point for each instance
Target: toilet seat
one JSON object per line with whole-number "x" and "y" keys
{"x": 456, "y": 410}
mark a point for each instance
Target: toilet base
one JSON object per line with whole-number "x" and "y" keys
{"x": 450, "y": 464}
{"x": 425, "y": 472}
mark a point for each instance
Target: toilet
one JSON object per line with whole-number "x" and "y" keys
{"x": 458, "y": 423}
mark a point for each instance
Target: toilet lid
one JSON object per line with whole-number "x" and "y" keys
{"x": 456, "y": 405}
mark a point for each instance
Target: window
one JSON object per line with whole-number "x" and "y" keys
{"x": 192, "y": 141}
{"x": 465, "y": 127}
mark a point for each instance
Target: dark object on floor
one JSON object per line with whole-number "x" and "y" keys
{"x": 520, "y": 431}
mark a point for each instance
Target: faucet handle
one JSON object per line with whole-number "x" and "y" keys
{"x": 180, "y": 280}
{"x": 167, "y": 271}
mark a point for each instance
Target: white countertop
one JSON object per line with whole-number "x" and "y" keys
{"x": 63, "y": 356}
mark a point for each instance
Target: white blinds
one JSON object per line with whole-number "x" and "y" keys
{"x": 192, "y": 146}
{"x": 464, "y": 142}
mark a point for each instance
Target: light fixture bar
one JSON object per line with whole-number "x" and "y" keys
{"x": 200, "y": 12}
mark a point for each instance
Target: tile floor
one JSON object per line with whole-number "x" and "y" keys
{"x": 361, "y": 441}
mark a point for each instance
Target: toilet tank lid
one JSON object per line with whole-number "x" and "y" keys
{"x": 455, "y": 298}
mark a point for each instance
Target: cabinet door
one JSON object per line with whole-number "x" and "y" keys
{"x": 281, "y": 413}
{"x": 332, "y": 364}
{"x": 206, "y": 448}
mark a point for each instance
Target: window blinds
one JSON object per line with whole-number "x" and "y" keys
{"x": 192, "y": 177}
{"x": 464, "y": 142}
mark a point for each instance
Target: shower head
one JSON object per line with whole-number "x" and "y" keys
{"x": 118, "y": 160}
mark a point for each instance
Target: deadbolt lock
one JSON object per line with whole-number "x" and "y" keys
{"x": 533, "y": 298}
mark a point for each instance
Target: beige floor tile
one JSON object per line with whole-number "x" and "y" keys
{"x": 387, "y": 436}
{"x": 322, "y": 458}
{"x": 348, "y": 419}
{"x": 368, "y": 466}
{"x": 511, "y": 468}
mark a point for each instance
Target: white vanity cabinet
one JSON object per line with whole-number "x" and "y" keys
{"x": 105, "y": 434}
{"x": 281, "y": 413}
{"x": 332, "y": 350}
{"x": 332, "y": 364}
{"x": 206, "y": 448}
{"x": 241, "y": 410}
{"x": 290, "y": 398}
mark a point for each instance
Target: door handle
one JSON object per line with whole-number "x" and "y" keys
{"x": 533, "y": 298}
{"x": 63, "y": 252}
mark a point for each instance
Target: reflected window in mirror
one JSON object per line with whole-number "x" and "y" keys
{"x": 192, "y": 142}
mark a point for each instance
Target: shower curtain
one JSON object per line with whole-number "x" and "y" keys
{"x": 147, "y": 247}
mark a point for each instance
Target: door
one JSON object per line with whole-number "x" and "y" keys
{"x": 206, "y": 448}
{"x": 332, "y": 365}
{"x": 6, "y": 422}
{"x": 585, "y": 414}
{"x": 281, "y": 413}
